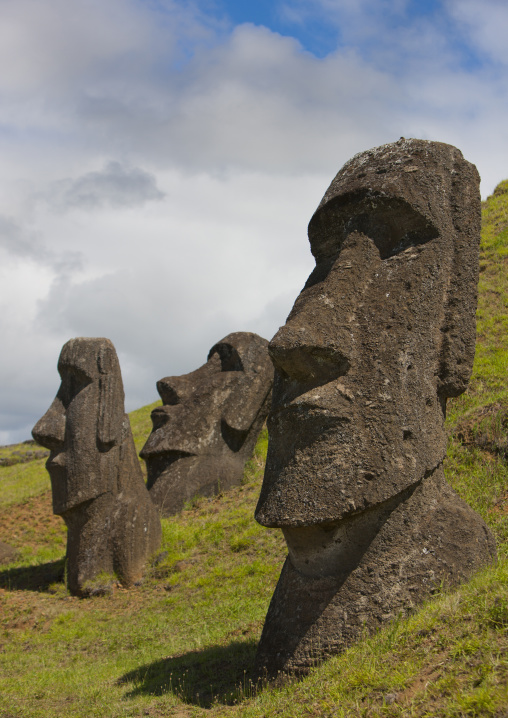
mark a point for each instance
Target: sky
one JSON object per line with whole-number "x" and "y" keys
{"x": 161, "y": 159}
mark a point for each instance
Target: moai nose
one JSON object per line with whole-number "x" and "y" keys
{"x": 171, "y": 390}
{"x": 50, "y": 429}
{"x": 300, "y": 354}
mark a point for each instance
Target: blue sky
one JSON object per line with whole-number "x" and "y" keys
{"x": 314, "y": 33}
{"x": 325, "y": 27}
{"x": 161, "y": 160}
{"x": 318, "y": 29}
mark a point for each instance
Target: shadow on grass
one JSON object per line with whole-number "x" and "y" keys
{"x": 33, "y": 578}
{"x": 219, "y": 674}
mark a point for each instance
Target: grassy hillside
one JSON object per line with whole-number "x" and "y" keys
{"x": 183, "y": 642}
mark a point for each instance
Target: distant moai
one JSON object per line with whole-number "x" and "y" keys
{"x": 381, "y": 335}
{"x": 96, "y": 478}
{"x": 209, "y": 422}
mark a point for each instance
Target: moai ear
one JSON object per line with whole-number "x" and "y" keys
{"x": 235, "y": 423}
{"x": 245, "y": 401}
{"x": 459, "y": 329}
{"x": 229, "y": 356}
{"x": 111, "y": 396}
{"x": 245, "y": 355}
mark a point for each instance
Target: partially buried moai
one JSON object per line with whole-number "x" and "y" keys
{"x": 382, "y": 334}
{"x": 96, "y": 478}
{"x": 209, "y": 422}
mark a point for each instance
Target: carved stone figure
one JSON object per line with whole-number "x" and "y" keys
{"x": 209, "y": 422}
{"x": 96, "y": 478}
{"x": 381, "y": 335}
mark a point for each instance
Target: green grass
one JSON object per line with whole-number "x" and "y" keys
{"x": 141, "y": 424}
{"x": 21, "y": 481}
{"x": 183, "y": 643}
{"x": 17, "y": 453}
{"x": 22, "y": 472}
{"x": 200, "y": 609}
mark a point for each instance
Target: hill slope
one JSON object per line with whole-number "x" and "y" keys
{"x": 182, "y": 643}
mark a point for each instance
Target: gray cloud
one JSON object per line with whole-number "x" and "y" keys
{"x": 211, "y": 261}
{"x": 114, "y": 186}
{"x": 19, "y": 242}
{"x": 240, "y": 127}
{"x": 26, "y": 244}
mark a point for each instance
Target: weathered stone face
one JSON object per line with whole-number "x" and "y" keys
{"x": 381, "y": 335}
{"x": 84, "y": 424}
{"x": 209, "y": 422}
{"x": 96, "y": 479}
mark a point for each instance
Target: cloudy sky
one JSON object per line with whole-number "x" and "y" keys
{"x": 160, "y": 161}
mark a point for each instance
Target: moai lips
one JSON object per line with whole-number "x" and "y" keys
{"x": 381, "y": 335}
{"x": 209, "y": 422}
{"x": 96, "y": 480}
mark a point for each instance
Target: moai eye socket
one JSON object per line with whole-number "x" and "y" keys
{"x": 73, "y": 382}
{"x": 390, "y": 222}
{"x": 229, "y": 357}
{"x": 393, "y": 226}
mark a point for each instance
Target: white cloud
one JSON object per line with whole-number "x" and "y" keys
{"x": 206, "y": 152}
{"x": 485, "y": 24}
{"x": 56, "y": 43}
{"x": 167, "y": 283}
{"x": 28, "y": 357}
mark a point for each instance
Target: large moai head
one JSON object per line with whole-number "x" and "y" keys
{"x": 96, "y": 479}
{"x": 209, "y": 422}
{"x": 381, "y": 335}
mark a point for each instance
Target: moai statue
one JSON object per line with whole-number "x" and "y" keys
{"x": 209, "y": 422}
{"x": 381, "y": 335}
{"x": 96, "y": 478}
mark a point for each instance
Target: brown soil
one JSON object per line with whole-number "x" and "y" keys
{"x": 428, "y": 676}
{"x": 23, "y": 524}
{"x": 7, "y": 553}
{"x": 501, "y": 505}
{"x": 485, "y": 428}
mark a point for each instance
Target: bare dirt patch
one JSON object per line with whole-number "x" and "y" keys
{"x": 23, "y": 524}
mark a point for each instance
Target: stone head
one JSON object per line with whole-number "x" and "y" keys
{"x": 381, "y": 335}
{"x": 208, "y": 419}
{"x": 85, "y": 424}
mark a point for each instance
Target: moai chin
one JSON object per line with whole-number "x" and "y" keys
{"x": 96, "y": 479}
{"x": 209, "y": 422}
{"x": 381, "y": 335}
